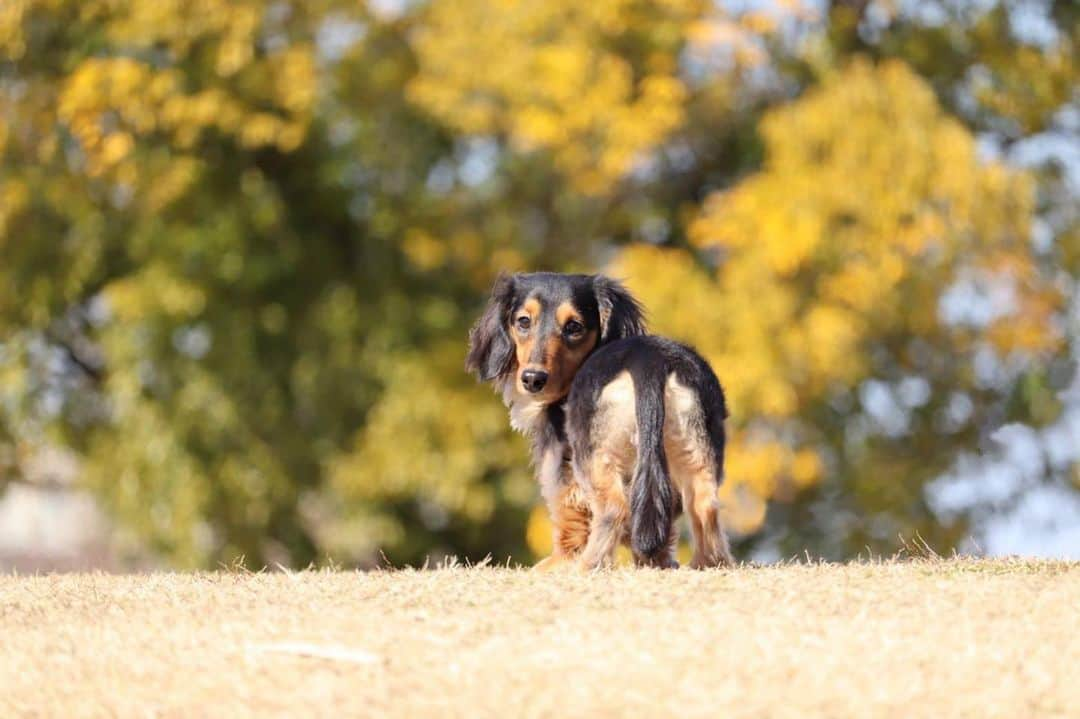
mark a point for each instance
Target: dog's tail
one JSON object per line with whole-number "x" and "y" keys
{"x": 651, "y": 510}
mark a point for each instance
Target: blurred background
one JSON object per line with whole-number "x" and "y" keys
{"x": 242, "y": 241}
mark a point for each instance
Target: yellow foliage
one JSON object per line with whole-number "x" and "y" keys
{"x": 272, "y": 105}
{"x": 756, "y": 465}
{"x": 13, "y": 198}
{"x": 294, "y": 78}
{"x": 423, "y": 249}
{"x": 245, "y": 312}
{"x": 870, "y": 202}
{"x": 443, "y": 456}
{"x": 12, "y": 15}
{"x": 154, "y": 289}
{"x": 562, "y": 88}
{"x": 538, "y": 531}
{"x": 180, "y": 174}
{"x": 742, "y": 510}
{"x": 806, "y": 468}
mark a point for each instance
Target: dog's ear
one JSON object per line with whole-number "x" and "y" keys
{"x": 490, "y": 348}
{"x": 620, "y": 314}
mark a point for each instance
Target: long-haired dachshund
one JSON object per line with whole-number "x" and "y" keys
{"x": 611, "y": 413}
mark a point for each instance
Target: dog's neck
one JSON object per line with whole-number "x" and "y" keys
{"x": 536, "y": 420}
{"x": 545, "y": 427}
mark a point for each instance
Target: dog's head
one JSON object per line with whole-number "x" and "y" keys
{"x": 538, "y": 328}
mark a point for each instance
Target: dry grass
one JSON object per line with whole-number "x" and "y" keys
{"x": 925, "y": 638}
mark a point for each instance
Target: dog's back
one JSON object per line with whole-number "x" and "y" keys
{"x": 645, "y": 418}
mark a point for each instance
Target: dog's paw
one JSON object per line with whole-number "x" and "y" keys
{"x": 554, "y": 564}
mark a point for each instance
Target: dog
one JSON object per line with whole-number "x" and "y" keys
{"x": 609, "y": 410}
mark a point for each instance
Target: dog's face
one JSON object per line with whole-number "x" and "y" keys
{"x": 538, "y": 328}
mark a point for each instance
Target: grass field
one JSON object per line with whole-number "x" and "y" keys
{"x": 930, "y": 638}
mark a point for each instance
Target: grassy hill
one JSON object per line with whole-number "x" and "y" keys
{"x": 931, "y": 638}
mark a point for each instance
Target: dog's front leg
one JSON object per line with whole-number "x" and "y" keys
{"x": 570, "y": 521}
{"x": 568, "y": 509}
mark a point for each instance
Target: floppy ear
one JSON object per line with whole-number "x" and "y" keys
{"x": 490, "y": 347}
{"x": 620, "y": 314}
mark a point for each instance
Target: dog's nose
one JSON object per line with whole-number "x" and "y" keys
{"x": 534, "y": 380}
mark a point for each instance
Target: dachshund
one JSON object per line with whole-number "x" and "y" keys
{"x": 610, "y": 411}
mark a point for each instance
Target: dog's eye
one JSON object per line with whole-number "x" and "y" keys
{"x": 573, "y": 327}
{"x": 523, "y": 323}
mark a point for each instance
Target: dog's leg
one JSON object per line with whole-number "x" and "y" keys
{"x": 610, "y": 509}
{"x": 693, "y": 472}
{"x": 570, "y": 528}
{"x": 711, "y": 547}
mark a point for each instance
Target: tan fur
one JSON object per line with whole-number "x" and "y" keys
{"x": 565, "y": 361}
{"x": 572, "y": 520}
{"x": 609, "y": 506}
{"x": 561, "y": 360}
{"x": 571, "y": 513}
{"x": 523, "y": 343}
{"x": 609, "y": 469}
{"x": 566, "y": 312}
{"x": 567, "y": 507}
{"x": 690, "y": 466}
{"x": 711, "y": 547}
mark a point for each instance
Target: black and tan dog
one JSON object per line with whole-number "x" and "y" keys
{"x": 610, "y": 412}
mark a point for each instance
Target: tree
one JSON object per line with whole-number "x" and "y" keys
{"x": 834, "y": 313}
{"x": 564, "y": 143}
{"x": 201, "y": 250}
{"x": 240, "y": 248}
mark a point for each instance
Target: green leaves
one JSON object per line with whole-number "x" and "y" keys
{"x": 240, "y": 248}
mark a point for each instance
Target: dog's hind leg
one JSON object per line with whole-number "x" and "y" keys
{"x": 602, "y": 475}
{"x": 711, "y": 548}
{"x": 695, "y": 446}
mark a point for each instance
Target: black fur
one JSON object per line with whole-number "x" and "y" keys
{"x": 607, "y": 306}
{"x": 608, "y": 309}
{"x": 621, "y": 315}
{"x": 491, "y": 351}
{"x": 556, "y": 420}
{"x": 651, "y": 511}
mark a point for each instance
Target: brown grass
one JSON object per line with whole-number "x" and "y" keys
{"x": 931, "y": 638}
